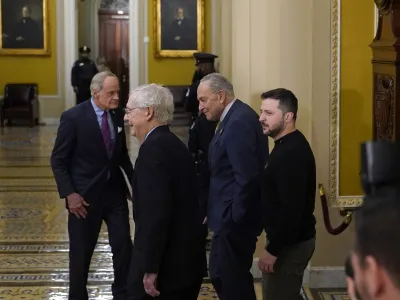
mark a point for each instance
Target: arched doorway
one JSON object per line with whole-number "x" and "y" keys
{"x": 70, "y": 13}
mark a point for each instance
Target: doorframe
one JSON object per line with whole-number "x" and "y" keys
{"x": 70, "y": 12}
{"x": 94, "y": 11}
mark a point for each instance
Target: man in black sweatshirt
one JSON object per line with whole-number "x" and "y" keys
{"x": 289, "y": 187}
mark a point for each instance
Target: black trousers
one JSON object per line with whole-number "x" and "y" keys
{"x": 231, "y": 259}
{"x": 108, "y": 204}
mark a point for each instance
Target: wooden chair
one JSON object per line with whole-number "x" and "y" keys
{"x": 20, "y": 102}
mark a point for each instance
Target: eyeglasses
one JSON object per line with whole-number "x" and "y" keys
{"x": 127, "y": 111}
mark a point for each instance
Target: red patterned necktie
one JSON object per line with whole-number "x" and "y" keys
{"x": 105, "y": 131}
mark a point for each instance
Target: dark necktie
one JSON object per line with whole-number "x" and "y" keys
{"x": 216, "y": 128}
{"x": 105, "y": 131}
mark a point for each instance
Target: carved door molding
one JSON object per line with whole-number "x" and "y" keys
{"x": 386, "y": 71}
{"x": 384, "y": 106}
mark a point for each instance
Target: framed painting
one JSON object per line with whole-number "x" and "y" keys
{"x": 24, "y": 27}
{"x": 178, "y": 27}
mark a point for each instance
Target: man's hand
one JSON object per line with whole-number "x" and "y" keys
{"x": 267, "y": 262}
{"x": 150, "y": 282}
{"x": 351, "y": 289}
{"x": 76, "y": 205}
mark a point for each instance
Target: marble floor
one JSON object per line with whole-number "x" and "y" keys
{"x": 33, "y": 231}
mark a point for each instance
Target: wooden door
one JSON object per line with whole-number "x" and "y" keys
{"x": 114, "y": 47}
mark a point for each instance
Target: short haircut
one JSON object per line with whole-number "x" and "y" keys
{"x": 156, "y": 96}
{"x": 378, "y": 232}
{"x": 98, "y": 80}
{"x": 217, "y": 83}
{"x": 287, "y": 100}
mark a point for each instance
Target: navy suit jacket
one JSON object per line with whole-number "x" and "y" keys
{"x": 79, "y": 159}
{"x": 237, "y": 157}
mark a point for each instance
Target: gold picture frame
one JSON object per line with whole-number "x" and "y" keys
{"x": 13, "y": 17}
{"x": 336, "y": 199}
{"x": 161, "y": 48}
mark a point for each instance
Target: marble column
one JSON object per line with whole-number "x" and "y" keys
{"x": 134, "y": 44}
{"x": 70, "y": 11}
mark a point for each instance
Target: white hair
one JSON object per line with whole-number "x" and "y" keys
{"x": 156, "y": 96}
{"x": 217, "y": 83}
{"x": 98, "y": 80}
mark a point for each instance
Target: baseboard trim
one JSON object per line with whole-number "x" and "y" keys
{"x": 327, "y": 277}
{"x": 314, "y": 277}
{"x": 50, "y": 121}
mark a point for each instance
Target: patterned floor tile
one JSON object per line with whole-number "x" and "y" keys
{"x": 95, "y": 292}
{"x": 25, "y": 172}
{"x": 326, "y": 294}
{"x": 33, "y": 225}
{"x": 49, "y": 262}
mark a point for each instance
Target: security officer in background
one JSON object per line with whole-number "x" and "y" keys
{"x": 205, "y": 66}
{"x": 81, "y": 75}
{"x": 201, "y": 131}
{"x": 200, "y": 135}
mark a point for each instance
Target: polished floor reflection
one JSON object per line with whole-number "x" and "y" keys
{"x": 33, "y": 230}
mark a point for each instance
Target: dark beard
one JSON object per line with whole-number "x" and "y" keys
{"x": 277, "y": 130}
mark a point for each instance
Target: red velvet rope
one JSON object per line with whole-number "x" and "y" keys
{"x": 327, "y": 220}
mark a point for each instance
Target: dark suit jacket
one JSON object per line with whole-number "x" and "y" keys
{"x": 79, "y": 159}
{"x": 187, "y": 31}
{"x": 168, "y": 224}
{"x": 237, "y": 157}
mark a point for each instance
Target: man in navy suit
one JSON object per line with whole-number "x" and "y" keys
{"x": 89, "y": 152}
{"x": 237, "y": 157}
